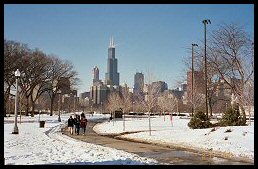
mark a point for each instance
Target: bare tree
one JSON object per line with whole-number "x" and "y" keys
{"x": 59, "y": 69}
{"x": 126, "y": 103}
{"x": 151, "y": 98}
{"x": 34, "y": 77}
{"x": 231, "y": 52}
{"x": 167, "y": 102}
{"x": 114, "y": 102}
{"x": 162, "y": 103}
{"x": 84, "y": 103}
{"x": 13, "y": 54}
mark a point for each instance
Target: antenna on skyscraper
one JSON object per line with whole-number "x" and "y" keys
{"x": 112, "y": 43}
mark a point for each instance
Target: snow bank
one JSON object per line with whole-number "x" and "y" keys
{"x": 34, "y": 145}
{"x": 239, "y": 143}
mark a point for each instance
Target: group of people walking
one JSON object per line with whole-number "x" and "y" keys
{"x": 77, "y": 123}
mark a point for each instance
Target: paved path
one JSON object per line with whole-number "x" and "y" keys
{"x": 162, "y": 154}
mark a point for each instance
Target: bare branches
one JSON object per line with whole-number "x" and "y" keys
{"x": 167, "y": 102}
{"x": 39, "y": 72}
{"x": 114, "y": 101}
{"x": 232, "y": 57}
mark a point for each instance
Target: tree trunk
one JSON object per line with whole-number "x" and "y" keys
{"x": 4, "y": 109}
{"x": 243, "y": 114}
{"x": 27, "y": 107}
{"x": 210, "y": 108}
{"x": 51, "y": 105}
{"x": 6, "y": 99}
{"x": 33, "y": 109}
{"x": 249, "y": 112}
{"x": 123, "y": 120}
{"x": 113, "y": 119}
{"x": 149, "y": 124}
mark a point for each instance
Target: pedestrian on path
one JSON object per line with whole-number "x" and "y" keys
{"x": 84, "y": 124}
{"x": 74, "y": 122}
{"x": 77, "y": 124}
{"x": 70, "y": 124}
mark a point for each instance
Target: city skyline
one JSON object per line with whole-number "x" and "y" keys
{"x": 154, "y": 37}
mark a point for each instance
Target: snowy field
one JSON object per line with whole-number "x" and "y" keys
{"x": 239, "y": 143}
{"x": 34, "y": 145}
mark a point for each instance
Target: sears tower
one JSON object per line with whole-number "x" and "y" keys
{"x": 112, "y": 76}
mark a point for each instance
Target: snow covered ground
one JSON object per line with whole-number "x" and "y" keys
{"x": 238, "y": 143}
{"x": 34, "y": 145}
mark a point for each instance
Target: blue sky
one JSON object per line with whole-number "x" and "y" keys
{"x": 149, "y": 37}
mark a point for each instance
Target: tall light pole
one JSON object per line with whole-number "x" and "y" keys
{"x": 59, "y": 105}
{"x": 205, "y": 21}
{"x": 133, "y": 107}
{"x": 101, "y": 107}
{"x": 74, "y": 97}
{"x": 193, "y": 77}
{"x": 15, "y": 129}
{"x": 177, "y": 106}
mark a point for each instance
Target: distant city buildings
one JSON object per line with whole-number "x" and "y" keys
{"x": 138, "y": 83}
{"x": 199, "y": 82}
{"x": 158, "y": 87}
{"x": 84, "y": 95}
{"x": 98, "y": 93}
{"x": 95, "y": 72}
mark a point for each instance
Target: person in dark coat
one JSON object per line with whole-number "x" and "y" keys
{"x": 70, "y": 124}
{"x": 77, "y": 124}
{"x": 74, "y": 123}
{"x": 83, "y": 124}
{"x": 82, "y": 115}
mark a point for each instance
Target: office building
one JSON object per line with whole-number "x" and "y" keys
{"x": 112, "y": 76}
{"x": 138, "y": 83}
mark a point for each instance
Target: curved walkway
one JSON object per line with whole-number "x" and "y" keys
{"x": 162, "y": 154}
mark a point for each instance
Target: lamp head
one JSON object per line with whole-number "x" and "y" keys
{"x": 194, "y": 44}
{"x": 206, "y": 21}
{"x": 17, "y": 73}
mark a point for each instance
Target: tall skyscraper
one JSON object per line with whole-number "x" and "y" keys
{"x": 112, "y": 76}
{"x": 95, "y": 75}
{"x": 138, "y": 82}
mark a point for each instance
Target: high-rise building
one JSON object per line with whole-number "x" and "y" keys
{"x": 158, "y": 87}
{"x": 64, "y": 85}
{"x": 98, "y": 93}
{"x": 84, "y": 95}
{"x": 184, "y": 86}
{"x": 199, "y": 83}
{"x": 95, "y": 72}
{"x": 138, "y": 82}
{"x": 112, "y": 76}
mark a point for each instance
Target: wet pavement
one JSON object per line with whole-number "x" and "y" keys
{"x": 163, "y": 154}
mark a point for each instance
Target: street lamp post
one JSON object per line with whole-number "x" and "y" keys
{"x": 9, "y": 106}
{"x": 101, "y": 108}
{"x": 177, "y": 106}
{"x": 74, "y": 97}
{"x": 193, "y": 77}
{"x": 133, "y": 107}
{"x": 123, "y": 119}
{"x": 15, "y": 129}
{"x": 206, "y": 21}
{"x": 59, "y": 101}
